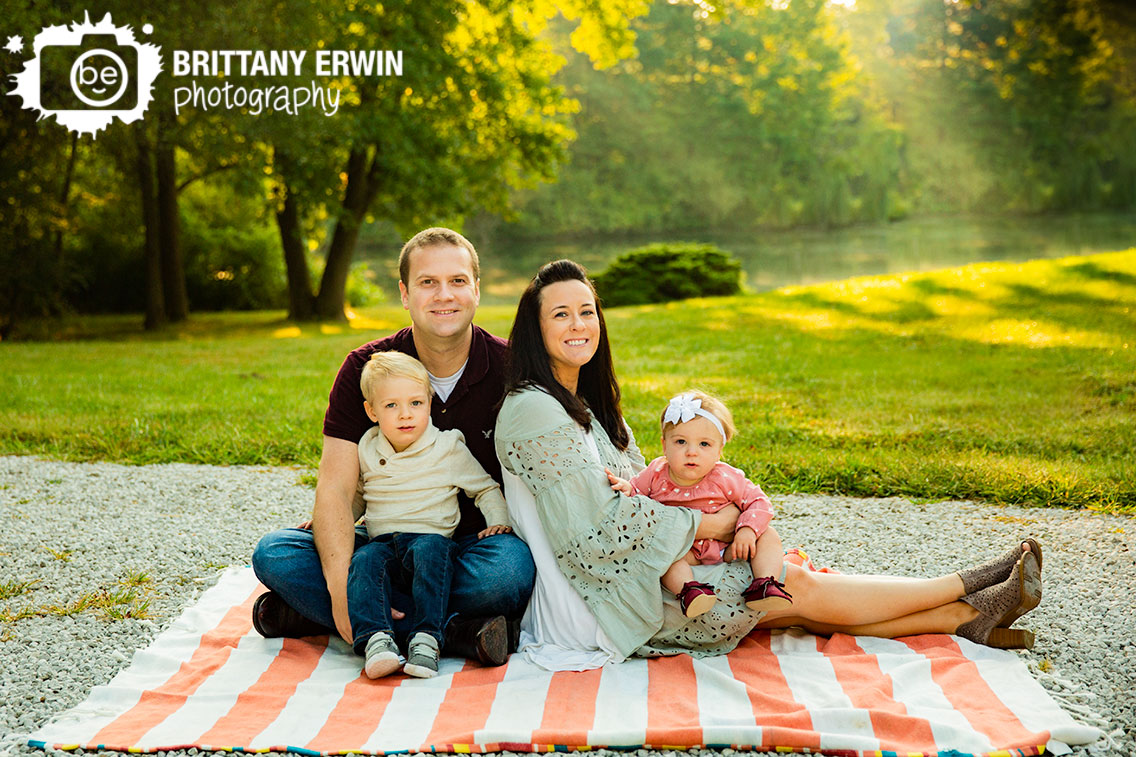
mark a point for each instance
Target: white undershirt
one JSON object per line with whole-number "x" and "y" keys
{"x": 444, "y": 387}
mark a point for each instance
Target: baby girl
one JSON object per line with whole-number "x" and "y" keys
{"x": 695, "y": 428}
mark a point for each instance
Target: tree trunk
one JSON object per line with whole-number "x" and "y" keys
{"x": 173, "y": 267}
{"x": 155, "y": 300}
{"x": 301, "y": 301}
{"x": 65, "y": 198}
{"x": 362, "y": 185}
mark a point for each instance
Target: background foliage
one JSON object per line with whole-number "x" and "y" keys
{"x": 213, "y": 208}
{"x": 743, "y": 115}
{"x": 558, "y": 118}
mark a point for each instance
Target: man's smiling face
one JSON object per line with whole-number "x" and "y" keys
{"x": 441, "y": 293}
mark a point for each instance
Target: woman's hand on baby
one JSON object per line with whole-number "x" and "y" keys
{"x": 745, "y": 543}
{"x": 618, "y": 484}
{"x": 719, "y": 525}
{"x": 494, "y": 530}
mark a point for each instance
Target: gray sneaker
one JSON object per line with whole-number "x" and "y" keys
{"x": 382, "y": 656}
{"x": 422, "y": 658}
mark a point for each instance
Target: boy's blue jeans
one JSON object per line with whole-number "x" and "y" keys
{"x": 491, "y": 576}
{"x": 424, "y": 562}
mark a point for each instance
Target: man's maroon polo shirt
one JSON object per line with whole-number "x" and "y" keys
{"x": 471, "y": 408}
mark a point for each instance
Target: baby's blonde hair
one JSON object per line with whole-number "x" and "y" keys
{"x": 710, "y": 404}
{"x": 383, "y": 365}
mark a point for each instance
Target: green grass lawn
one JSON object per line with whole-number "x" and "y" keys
{"x": 999, "y": 382}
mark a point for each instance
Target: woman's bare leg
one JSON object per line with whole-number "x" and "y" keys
{"x": 849, "y": 600}
{"x": 943, "y": 619}
{"x": 884, "y": 606}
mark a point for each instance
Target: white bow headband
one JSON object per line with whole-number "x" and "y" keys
{"x": 685, "y": 407}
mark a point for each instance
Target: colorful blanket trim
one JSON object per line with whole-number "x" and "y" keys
{"x": 538, "y": 748}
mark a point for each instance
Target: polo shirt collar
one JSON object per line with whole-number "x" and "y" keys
{"x": 475, "y": 369}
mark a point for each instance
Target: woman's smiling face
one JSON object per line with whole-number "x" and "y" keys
{"x": 570, "y": 325}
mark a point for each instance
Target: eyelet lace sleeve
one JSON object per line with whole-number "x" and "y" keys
{"x": 542, "y": 461}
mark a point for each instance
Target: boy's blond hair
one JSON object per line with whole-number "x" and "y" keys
{"x": 710, "y": 404}
{"x": 433, "y": 237}
{"x": 383, "y": 365}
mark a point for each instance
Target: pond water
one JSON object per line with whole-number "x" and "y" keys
{"x": 773, "y": 259}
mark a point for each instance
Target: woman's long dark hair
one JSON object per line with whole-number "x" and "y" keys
{"x": 528, "y": 365}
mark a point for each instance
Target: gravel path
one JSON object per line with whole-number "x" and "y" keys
{"x": 81, "y": 529}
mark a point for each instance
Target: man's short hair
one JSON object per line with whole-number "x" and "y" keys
{"x": 384, "y": 365}
{"x": 433, "y": 237}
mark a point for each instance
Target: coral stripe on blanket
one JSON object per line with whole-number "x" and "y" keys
{"x": 209, "y": 681}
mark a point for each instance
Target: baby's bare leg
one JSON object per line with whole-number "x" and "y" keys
{"x": 679, "y": 573}
{"x": 769, "y": 555}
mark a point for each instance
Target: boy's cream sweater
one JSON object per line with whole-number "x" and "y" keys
{"x": 416, "y": 490}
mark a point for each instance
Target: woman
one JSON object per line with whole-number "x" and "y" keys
{"x": 600, "y": 554}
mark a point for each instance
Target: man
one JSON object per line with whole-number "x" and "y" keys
{"x": 439, "y": 280}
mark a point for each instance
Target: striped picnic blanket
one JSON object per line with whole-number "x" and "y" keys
{"x": 209, "y": 681}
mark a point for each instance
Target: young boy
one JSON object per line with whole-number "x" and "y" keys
{"x": 410, "y": 473}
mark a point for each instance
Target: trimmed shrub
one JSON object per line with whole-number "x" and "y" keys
{"x": 668, "y": 271}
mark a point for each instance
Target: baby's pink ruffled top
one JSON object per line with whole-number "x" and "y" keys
{"x": 724, "y": 485}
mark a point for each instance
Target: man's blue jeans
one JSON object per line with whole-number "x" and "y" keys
{"x": 422, "y": 562}
{"x": 492, "y": 576}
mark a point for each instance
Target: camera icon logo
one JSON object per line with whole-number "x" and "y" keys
{"x": 86, "y": 75}
{"x": 96, "y": 74}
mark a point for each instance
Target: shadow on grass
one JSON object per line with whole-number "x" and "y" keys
{"x": 905, "y": 311}
{"x": 930, "y": 287}
{"x": 1094, "y": 271}
{"x": 1062, "y": 304}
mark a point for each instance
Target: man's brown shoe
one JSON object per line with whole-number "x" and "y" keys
{"x": 483, "y": 639}
{"x": 273, "y": 618}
